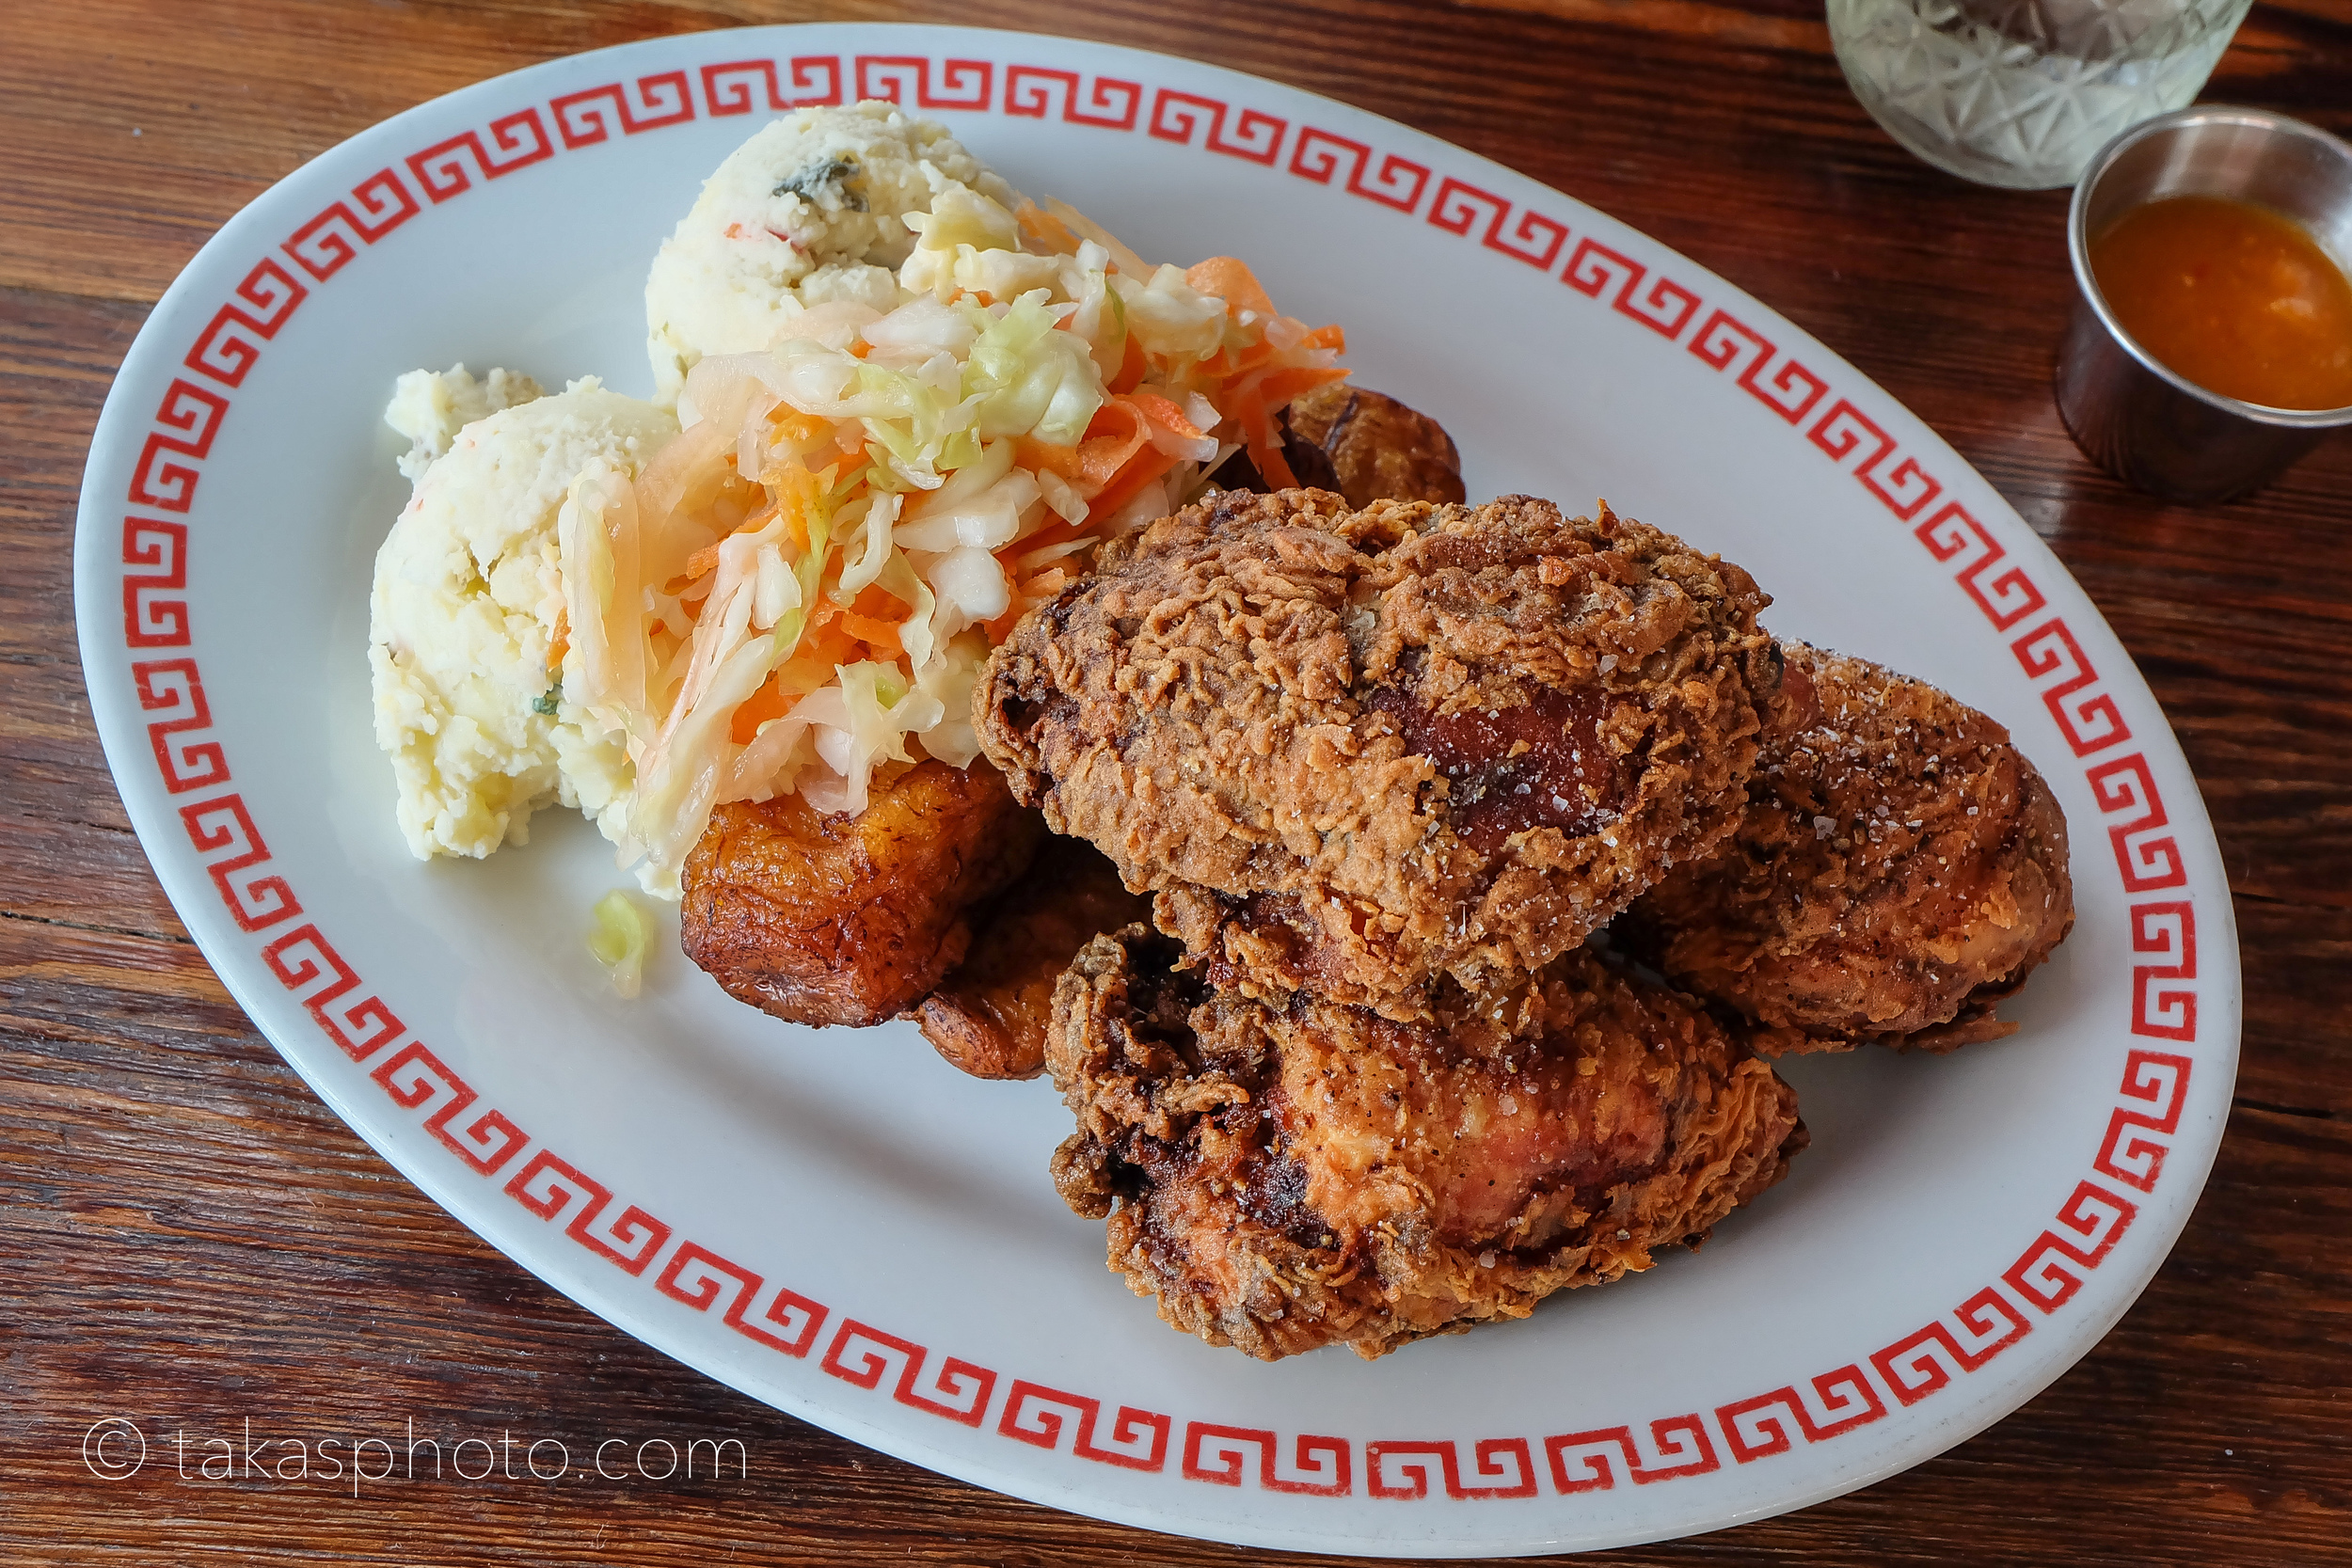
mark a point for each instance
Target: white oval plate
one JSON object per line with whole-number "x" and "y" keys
{"x": 840, "y": 1225}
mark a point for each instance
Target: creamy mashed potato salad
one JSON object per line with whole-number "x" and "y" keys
{"x": 469, "y": 656}
{"x": 908, "y": 407}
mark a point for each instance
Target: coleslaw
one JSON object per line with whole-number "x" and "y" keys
{"x": 803, "y": 584}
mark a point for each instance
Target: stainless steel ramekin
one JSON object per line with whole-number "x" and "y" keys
{"x": 2150, "y": 426}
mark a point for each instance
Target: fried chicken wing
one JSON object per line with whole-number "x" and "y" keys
{"x": 1355, "y": 751}
{"x": 848, "y": 919}
{"x": 1900, "y": 870}
{"x": 1285, "y": 1180}
{"x": 988, "y": 1016}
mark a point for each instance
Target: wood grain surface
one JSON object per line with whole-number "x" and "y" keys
{"x": 190, "y": 1239}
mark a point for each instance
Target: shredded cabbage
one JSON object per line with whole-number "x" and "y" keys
{"x": 618, "y": 940}
{"x": 1031, "y": 380}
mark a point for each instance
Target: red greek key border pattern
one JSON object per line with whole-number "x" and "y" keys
{"x": 1034, "y": 1414}
{"x": 590, "y": 115}
{"x": 413, "y": 1076}
{"x": 552, "y": 1187}
{"x": 233, "y": 340}
{"x": 962, "y": 84}
{"x": 1672, "y": 1445}
{"x": 2137, "y": 1140}
{"x": 446, "y": 169}
{"x": 1397, "y": 182}
{"x": 149, "y": 620}
{"x": 1838, "y": 1401}
{"x": 377, "y": 206}
{"x": 727, "y": 85}
{"x": 1191, "y": 119}
{"x": 258, "y": 901}
{"x": 486, "y": 1141}
{"x": 1106, "y": 103}
{"x": 1533, "y": 239}
{"x": 696, "y": 1275}
{"x": 954, "y": 1388}
{"x": 1222, "y": 1455}
{"x": 1403, "y": 1467}
{"x": 1790, "y": 391}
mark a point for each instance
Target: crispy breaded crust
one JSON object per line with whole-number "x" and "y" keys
{"x": 1356, "y": 750}
{"x": 988, "y": 1016}
{"x": 849, "y": 919}
{"x": 1281, "y": 1181}
{"x": 1900, "y": 870}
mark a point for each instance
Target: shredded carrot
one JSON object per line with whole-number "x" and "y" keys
{"x": 1149, "y": 464}
{"x": 706, "y": 561}
{"x": 876, "y": 602}
{"x": 1047, "y": 230}
{"x": 1329, "y": 336}
{"x": 1045, "y": 457}
{"x": 807, "y": 670}
{"x": 798, "y": 495}
{"x": 1163, "y": 413}
{"x": 1115, "y": 435}
{"x": 1232, "y": 281}
{"x": 1132, "y": 369}
{"x": 1228, "y": 365}
{"x": 1277, "y": 388}
{"x": 1249, "y": 411}
{"x": 832, "y": 641}
{"x": 793, "y": 425}
{"x": 770, "y": 702}
{"x": 880, "y": 635}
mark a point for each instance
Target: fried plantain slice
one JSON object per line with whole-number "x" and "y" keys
{"x": 849, "y": 919}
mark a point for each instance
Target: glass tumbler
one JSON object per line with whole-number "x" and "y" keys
{"x": 2022, "y": 92}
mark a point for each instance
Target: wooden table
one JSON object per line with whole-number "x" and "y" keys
{"x": 190, "y": 1239}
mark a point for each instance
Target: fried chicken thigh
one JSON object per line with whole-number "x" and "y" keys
{"x": 1355, "y": 751}
{"x": 1900, "y": 870}
{"x": 822, "y": 918}
{"x": 988, "y": 1016}
{"x": 1285, "y": 1180}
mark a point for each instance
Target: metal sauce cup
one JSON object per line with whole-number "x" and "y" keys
{"x": 2150, "y": 426}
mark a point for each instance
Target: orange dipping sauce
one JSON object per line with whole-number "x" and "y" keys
{"x": 2236, "y": 298}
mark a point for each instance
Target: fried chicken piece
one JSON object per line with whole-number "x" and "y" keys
{"x": 839, "y": 918}
{"x": 1900, "y": 869}
{"x": 1369, "y": 447}
{"x": 989, "y": 1017}
{"x": 1355, "y": 751}
{"x": 1285, "y": 1180}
